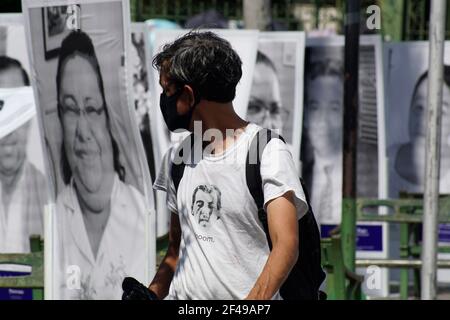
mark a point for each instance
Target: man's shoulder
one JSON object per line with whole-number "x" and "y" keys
{"x": 276, "y": 138}
{"x": 276, "y": 146}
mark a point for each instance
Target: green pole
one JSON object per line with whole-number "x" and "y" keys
{"x": 392, "y": 13}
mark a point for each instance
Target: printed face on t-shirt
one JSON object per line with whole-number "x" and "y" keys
{"x": 205, "y": 204}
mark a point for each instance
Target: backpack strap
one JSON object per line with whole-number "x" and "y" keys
{"x": 181, "y": 158}
{"x": 253, "y": 173}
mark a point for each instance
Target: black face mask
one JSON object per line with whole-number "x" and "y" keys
{"x": 168, "y": 107}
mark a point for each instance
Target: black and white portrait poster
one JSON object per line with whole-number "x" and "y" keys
{"x": 140, "y": 67}
{"x": 244, "y": 42}
{"x": 23, "y": 186}
{"x": 276, "y": 96}
{"x": 103, "y": 219}
{"x": 406, "y": 105}
{"x": 322, "y": 139}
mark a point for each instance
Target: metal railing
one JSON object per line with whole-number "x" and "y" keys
{"x": 408, "y": 213}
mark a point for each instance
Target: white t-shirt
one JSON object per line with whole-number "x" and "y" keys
{"x": 223, "y": 246}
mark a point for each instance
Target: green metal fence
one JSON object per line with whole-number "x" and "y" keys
{"x": 181, "y": 10}
{"x": 416, "y": 24}
{"x": 283, "y": 11}
{"x": 290, "y": 14}
{"x": 401, "y": 19}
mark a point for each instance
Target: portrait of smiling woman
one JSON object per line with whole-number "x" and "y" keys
{"x": 96, "y": 206}
{"x": 101, "y": 199}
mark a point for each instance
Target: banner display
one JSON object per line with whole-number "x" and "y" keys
{"x": 141, "y": 72}
{"x": 322, "y": 140}
{"x": 276, "y": 96}
{"x": 103, "y": 217}
{"x": 23, "y": 187}
{"x": 406, "y": 69}
{"x": 162, "y": 212}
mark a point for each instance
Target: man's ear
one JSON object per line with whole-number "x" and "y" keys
{"x": 187, "y": 96}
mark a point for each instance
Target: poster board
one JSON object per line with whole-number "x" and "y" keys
{"x": 322, "y": 140}
{"x": 103, "y": 210}
{"x": 276, "y": 97}
{"x": 406, "y": 66}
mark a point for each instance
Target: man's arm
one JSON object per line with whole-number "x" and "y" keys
{"x": 283, "y": 230}
{"x": 161, "y": 282}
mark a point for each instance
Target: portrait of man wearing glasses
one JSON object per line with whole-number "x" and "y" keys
{"x": 265, "y": 108}
{"x": 100, "y": 218}
{"x": 23, "y": 189}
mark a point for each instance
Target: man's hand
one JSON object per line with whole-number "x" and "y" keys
{"x": 283, "y": 230}
{"x": 134, "y": 290}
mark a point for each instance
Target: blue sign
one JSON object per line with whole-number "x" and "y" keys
{"x": 15, "y": 293}
{"x": 444, "y": 232}
{"x": 368, "y": 237}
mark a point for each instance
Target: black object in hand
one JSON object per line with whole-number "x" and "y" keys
{"x": 134, "y": 290}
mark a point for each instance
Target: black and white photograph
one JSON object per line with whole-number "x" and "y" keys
{"x": 322, "y": 130}
{"x": 276, "y": 96}
{"x": 407, "y": 67}
{"x": 23, "y": 187}
{"x": 322, "y": 139}
{"x": 55, "y": 20}
{"x": 141, "y": 72}
{"x": 55, "y": 28}
{"x": 101, "y": 185}
{"x": 139, "y": 66}
{"x": 321, "y": 153}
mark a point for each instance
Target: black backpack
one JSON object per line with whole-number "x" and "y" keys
{"x": 307, "y": 274}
